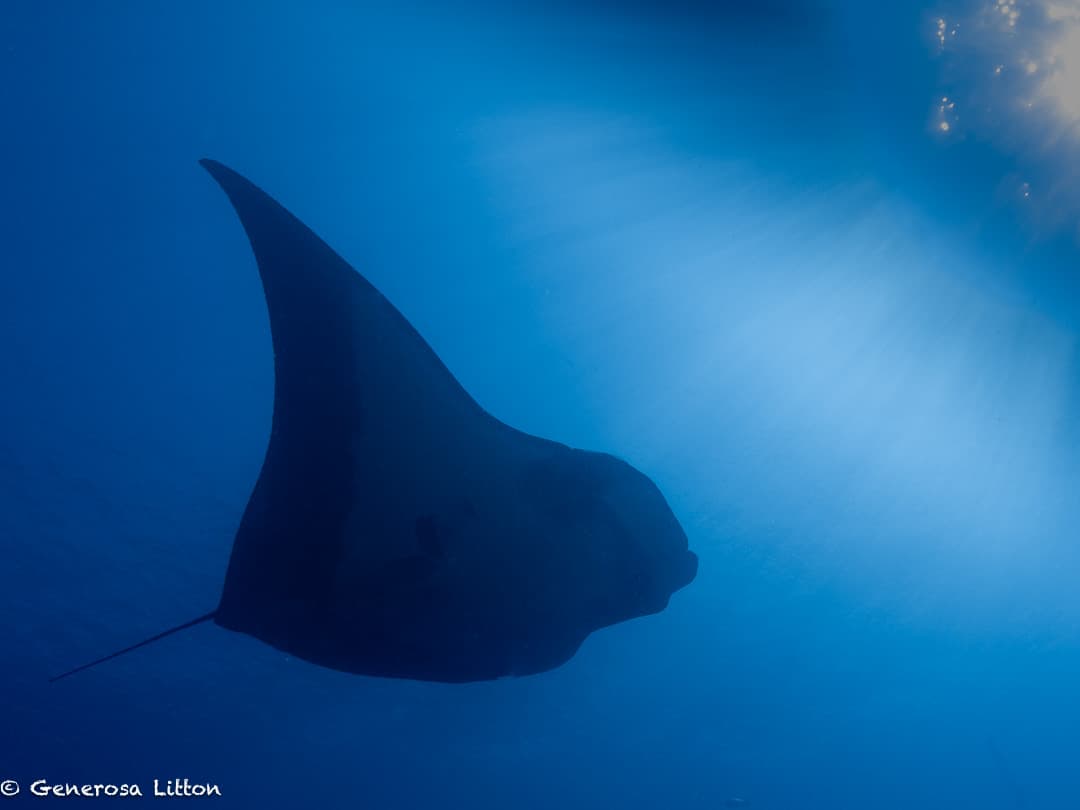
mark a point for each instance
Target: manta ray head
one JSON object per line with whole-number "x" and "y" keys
{"x": 628, "y": 543}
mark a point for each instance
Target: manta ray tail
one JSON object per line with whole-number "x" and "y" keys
{"x": 205, "y": 618}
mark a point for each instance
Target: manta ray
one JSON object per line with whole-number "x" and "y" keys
{"x": 397, "y": 529}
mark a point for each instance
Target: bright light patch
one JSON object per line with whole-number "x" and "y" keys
{"x": 946, "y": 116}
{"x": 1009, "y": 11}
{"x": 1014, "y": 68}
{"x": 1061, "y": 12}
{"x": 1062, "y": 87}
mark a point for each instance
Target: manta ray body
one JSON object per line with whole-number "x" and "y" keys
{"x": 397, "y": 529}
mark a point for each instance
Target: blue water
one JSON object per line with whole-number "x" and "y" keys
{"x": 718, "y": 243}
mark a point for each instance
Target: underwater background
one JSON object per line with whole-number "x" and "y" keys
{"x": 810, "y": 267}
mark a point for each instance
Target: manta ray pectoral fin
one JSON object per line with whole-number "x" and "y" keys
{"x": 360, "y": 399}
{"x": 204, "y": 618}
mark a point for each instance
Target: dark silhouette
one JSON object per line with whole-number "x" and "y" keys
{"x": 397, "y": 529}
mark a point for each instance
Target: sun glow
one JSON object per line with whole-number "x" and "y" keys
{"x": 1034, "y": 56}
{"x": 1011, "y": 77}
{"x": 1062, "y": 86}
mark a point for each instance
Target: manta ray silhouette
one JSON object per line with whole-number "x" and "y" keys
{"x": 397, "y": 529}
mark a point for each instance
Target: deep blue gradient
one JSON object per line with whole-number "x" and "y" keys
{"x": 720, "y": 244}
